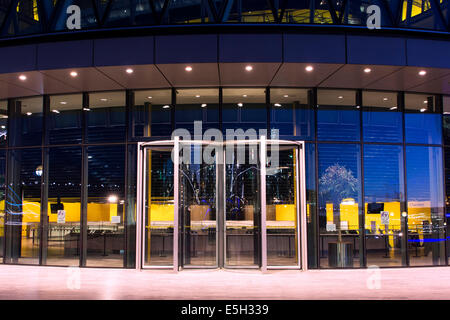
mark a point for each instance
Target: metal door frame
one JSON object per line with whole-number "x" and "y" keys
{"x": 220, "y": 216}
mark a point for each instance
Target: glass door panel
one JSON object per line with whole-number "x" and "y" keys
{"x": 282, "y": 206}
{"x": 242, "y": 206}
{"x": 158, "y": 207}
{"x": 198, "y": 209}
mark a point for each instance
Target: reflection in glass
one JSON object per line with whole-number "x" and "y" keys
{"x": 64, "y": 206}
{"x": 426, "y": 234}
{"x": 384, "y": 198}
{"x": 244, "y": 109}
{"x": 198, "y": 209}
{"x": 281, "y": 208}
{"x": 423, "y": 128}
{"x": 243, "y": 206}
{"x": 106, "y": 117}
{"x": 197, "y": 105}
{"x": 291, "y": 115}
{"x": 105, "y": 207}
{"x": 65, "y": 119}
{"x": 339, "y": 199}
{"x": 337, "y": 116}
{"x": 159, "y": 207}
{"x": 3, "y": 122}
{"x": 311, "y": 205}
{"x": 23, "y": 206}
{"x": 382, "y": 120}
{"x": 2, "y": 199}
{"x": 27, "y": 121}
{"x": 152, "y": 113}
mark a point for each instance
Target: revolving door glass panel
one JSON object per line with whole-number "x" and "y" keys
{"x": 242, "y": 206}
{"x": 158, "y": 207}
{"x": 282, "y": 203}
{"x": 197, "y": 206}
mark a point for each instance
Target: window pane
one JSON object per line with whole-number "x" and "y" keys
{"x": 23, "y": 206}
{"x": 3, "y": 122}
{"x": 27, "y": 119}
{"x": 65, "y": 119}
{"x": 291, "y": 115}
{"x": 106, "y": 118}
{"x": 337, "y": 116}
{"x": 426, "y": 237}
{"x": 244, "y": 109}
{"x": 384, "y": 198}
{"x": 311, "y": 205}
{"x": 446, "y": 122}
{"x": 197, "y": 105}
{"x": 339, "y": 199}
{"x": 423, "y": 128}
{"x": 2, "y": 199}
{"x": 152, "y": 113}
{"x": 64, "y": 189}
{"x": 106, "y": 190}
{"x": 382, "y": 121}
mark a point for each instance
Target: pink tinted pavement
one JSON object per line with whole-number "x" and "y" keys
{"x": 29, "y": 282}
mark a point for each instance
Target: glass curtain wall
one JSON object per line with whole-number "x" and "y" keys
{"x": 72, "y": 165}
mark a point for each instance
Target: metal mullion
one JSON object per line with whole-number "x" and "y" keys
{"x": 362, "y": 211}
{"x": 84, "y": 182}
{"x": 302, "y": 229}
{"x": 263, "y": 157}
{"x": 316, "y": 174}
{"x": 404, "y": 220}
{"x": 139, "y": 207}
{"x": 440, "y": 104}
{"x": 43, "y": 230}
{"x": 176, "y": 196}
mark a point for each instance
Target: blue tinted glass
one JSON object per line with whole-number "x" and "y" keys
{"x": 423, "y": 128}
{"x": 426, "y": 229}
{"x": 446, "y": 129}
{"x": 383, "y": 173}
{"x": 310, "y": 167}
{"x": 382, "y": 126}
{"x": 339, "y": 200}
{"x": 298, "y": 124}
{"x": 338, "y": 125}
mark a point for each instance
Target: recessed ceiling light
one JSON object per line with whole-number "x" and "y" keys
{"x": 63, "y": 102}
{"x": 86, "y": 109}
{"x": 74, "y": 74}
{"x": 240, "y": 104}
{"x": 422, "y": 72}
{"x": 23, "y": 77}
{"x": 367, "y": 70}
{"x": 3, "y": 127}
{"x": 249, "y": 68}
{"x": 357, "y": 107}
{"x": 385, "y": 99}
{"x": 55, "y": 111}
{"x": 393, "y": 108}
{"x": 166, "y": 106}
{"x": 341, "y": 97}
{"x": 29, "y": 113}
{"x": 204, "y": 105}
{"x": 103, "y": 99}
{"x": 425, "y": 101}
{"x": 129, "y": 70}
{"x": 244, "y": 95}
{"x": 197, "y": 96}
{"x": 309, "y": 68}
{"x": 188, "y": 68}
{"x": 286, "y": 96}
{"x": 149, "y": 97}
{"x": 423, "y": 109}
{"x": 446, "y": 112}
{"x": 277, "y": 105}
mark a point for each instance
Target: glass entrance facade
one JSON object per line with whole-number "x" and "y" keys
{"x": 374, "y": 179}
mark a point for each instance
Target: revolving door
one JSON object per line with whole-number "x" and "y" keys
{"x": 234, "y": 204}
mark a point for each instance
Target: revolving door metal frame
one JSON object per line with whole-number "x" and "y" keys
{"x": 263, "y": 143}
